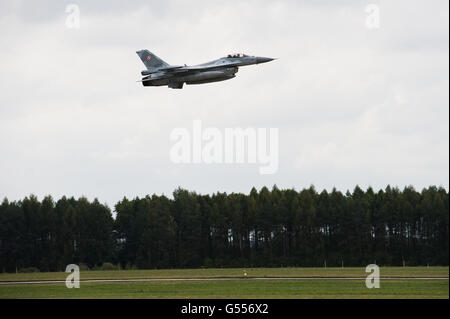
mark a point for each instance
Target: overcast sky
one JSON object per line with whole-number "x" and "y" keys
{"x": 353, "y": 105}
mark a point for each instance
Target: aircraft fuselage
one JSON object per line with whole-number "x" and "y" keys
{"x": 196, "y": 77}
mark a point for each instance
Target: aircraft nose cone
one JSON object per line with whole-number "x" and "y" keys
{"x": 263, "y": 60}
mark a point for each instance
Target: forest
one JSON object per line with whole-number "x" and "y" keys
{"x": 265, "y": 228}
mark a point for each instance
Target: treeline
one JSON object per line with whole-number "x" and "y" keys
{"x": 266, "y": 228}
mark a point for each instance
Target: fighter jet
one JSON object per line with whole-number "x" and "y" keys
{"x": 159, "y": 73}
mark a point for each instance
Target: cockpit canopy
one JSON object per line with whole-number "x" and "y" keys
{"x": 236, "y": 55}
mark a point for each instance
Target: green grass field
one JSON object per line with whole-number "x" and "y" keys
{"x": 235, "y": 288}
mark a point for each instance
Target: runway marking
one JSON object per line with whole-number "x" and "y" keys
{"x": 4, "y": 283}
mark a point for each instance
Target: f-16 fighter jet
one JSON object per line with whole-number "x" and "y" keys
{"x": 159, "y": 73}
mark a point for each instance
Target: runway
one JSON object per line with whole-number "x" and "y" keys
{"x": 44, "y": 282}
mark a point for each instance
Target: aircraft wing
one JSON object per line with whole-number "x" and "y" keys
{"x": 170, "y": 68}
{"x": 197, "y": 67}
{"x": 176, "y": 69}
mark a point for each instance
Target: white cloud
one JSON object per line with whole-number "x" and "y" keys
{"x": 353, "y": 105}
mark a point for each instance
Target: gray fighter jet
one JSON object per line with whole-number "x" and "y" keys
{"x": 159, "y": 73}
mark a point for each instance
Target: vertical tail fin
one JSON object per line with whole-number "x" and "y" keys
{"x": 150, "y": 60}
